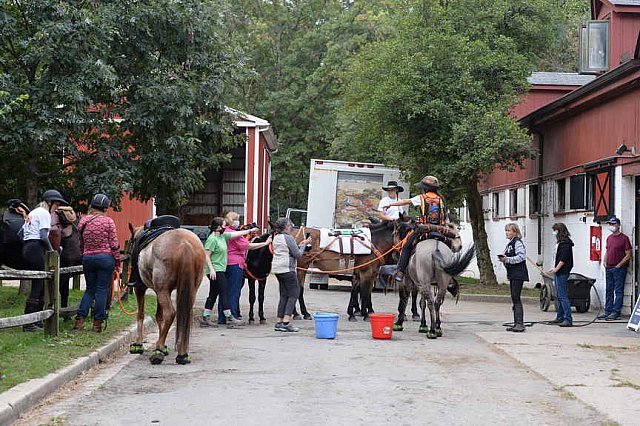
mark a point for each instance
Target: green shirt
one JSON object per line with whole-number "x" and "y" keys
{"x": 217, "y": 245}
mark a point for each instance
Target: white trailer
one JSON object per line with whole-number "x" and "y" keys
{"x": 344, "y": 193}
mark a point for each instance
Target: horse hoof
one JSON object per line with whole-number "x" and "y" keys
{"x": 398, "y": 327}
{"x": 415, "y": 317}
{"x": 307, "y": 316}
{"x": 353, "y": 319}
{"x": 365, "y": 318}
{"x": 297, "y": 317}
{"x": 251, "y": 320}
{"x": 136, "y": 348}
{"x": 423, "y": 329}
{"x": 439, "y": 332}
{"x": 156, "y": 357}
{"x": 164, "y": 350}
{"x": 263, "y": 321}
{"x": 183, "y": 359}
{"x": 432, "y": 335}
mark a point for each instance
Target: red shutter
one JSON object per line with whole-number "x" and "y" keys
{"x": 603, "y": 195}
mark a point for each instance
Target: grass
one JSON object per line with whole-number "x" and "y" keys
{"x": 24, "y": 356}
{"x": 474, "y": 286}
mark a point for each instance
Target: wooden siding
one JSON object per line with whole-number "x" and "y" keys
{"x": 131, "y": 212}
{"x": 539, "y": 96}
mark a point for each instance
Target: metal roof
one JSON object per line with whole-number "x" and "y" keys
{"x": 560, "y": 78}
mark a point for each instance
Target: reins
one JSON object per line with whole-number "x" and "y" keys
{"x": 375, "y": 259}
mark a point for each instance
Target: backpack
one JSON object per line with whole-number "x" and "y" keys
{"x": 432, "y": 208}
{"x": 66, "y": 215}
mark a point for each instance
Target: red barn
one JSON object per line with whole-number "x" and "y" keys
{"x": 588, "y": 165}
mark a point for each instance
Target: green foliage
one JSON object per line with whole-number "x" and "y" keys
{"x": 161, "y": 67}
{"x": 300, "y": 52}
{"x": 436, "y": 97}
{"x": 24, "y": 356}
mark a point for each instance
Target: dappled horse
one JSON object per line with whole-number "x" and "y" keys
{"x": 365, "y": 270}
{"x": 258, "y": 269}
{"x": 172, "y": 261}
{"x": 432, "y": 262}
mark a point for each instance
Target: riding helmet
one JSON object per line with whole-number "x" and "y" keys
{"x": 52, "y": 195}
{"x": 100, "y": 201}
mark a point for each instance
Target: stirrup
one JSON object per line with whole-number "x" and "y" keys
{"x": 399, "y": 276}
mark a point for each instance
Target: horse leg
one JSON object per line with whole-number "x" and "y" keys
{"x": 166, "y": 314}
{"x": 252, "y": 298}
{"x": 431, "y": 334}
{"x": 262, "y": 284}
{"x": 414, "y": 305}
{"x": 423, "y": 306}
{"x": 353, "y": 302}
{"x": 136, "y": 347}
{"x": 442, "y": 291}
{"x": 365, "y": 296}
{"x": 402, "y": 306}
{"x": 303, "y": 306}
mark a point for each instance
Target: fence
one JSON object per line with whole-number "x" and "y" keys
{"x": 52, "y": 312}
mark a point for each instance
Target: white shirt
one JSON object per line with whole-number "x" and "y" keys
{"x": 393, "y": 211}
{"x": 416, "y": 201}
{"x": 39, "y": 219}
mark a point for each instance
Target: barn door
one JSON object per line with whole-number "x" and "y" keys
{"x": 603, "y": 195}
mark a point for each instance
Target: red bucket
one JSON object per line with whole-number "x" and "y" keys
{"x": 382, "y": 325}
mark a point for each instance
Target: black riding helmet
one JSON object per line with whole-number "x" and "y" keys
{"x": 52, "y": 195}
{"x": 100, "y": 201}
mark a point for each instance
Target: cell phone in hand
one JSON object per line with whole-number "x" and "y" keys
{"x": 308, "y": 246}
{"x": 500, "y": 256}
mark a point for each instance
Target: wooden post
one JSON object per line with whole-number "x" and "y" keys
{"x": 76, "y": 282}
{"x": 52, "y": 294}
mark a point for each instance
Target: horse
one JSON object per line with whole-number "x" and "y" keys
{"x": 365, "y": 270}
{"x": 172, "y": 261}
{"x": 258, "y": 268}
{"x": 432, "y": 262}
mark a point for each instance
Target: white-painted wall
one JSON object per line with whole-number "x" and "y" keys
{"x": 578, "y": 223}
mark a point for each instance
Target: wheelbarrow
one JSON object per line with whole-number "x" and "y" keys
{"x": 578, "y": 290}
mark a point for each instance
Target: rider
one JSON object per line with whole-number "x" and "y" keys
{"x": 393, "y": 213}
{"x": 432, "y": 211}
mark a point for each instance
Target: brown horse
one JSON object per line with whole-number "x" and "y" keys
{"x": 365, "y": 270}
{"x": 173, "y": 261}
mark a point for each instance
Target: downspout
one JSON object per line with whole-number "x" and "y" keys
{"x": 540, "y": 182}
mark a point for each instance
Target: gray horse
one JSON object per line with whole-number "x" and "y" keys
{"x": 432, "y": 263}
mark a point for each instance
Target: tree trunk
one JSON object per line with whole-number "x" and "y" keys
{"x": 474, "y": 202}
{"x": 32, "y": 184}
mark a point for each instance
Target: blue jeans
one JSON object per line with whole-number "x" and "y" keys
{"x": 235, "y": 279}
{"x": 563, "y": 305}
{"x": 614, "y": 290}
{"x": 98, "y": 273}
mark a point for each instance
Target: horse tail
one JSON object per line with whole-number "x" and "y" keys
{"x": 184, "y": 297}
{"x": 460, "y": 261}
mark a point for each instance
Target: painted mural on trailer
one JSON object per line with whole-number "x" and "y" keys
{"x": 357, "y": 198}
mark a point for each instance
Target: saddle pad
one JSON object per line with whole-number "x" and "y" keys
{"x": 330, "y": 240}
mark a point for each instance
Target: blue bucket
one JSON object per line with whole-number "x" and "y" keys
{"x": 326, "y": 325}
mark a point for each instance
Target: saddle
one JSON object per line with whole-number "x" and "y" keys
{"x": 441, "y": 233}
{"x": 346, "y": 241}
{"x": 152, "y": 230}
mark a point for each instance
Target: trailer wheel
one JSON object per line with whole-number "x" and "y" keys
{"x": 313, "y": 286}
{"x": 545, "y": 298}
{"x": 583, "y": 307}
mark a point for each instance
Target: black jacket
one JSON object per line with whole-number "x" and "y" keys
{"x": 515, "y": 271}
{"x": 564, "y": 253}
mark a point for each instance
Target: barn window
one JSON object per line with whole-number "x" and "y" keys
{"x": 577, "y": 191}
{"x": 534, "y": 199}
{"x": 513, "y": 202}
{"x": 560, "y": 195}
{"x": 495, "y": 207}
{"x": 594, "y": 47}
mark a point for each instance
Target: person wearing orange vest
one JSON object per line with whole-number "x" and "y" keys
{"x": 432, "y": 211}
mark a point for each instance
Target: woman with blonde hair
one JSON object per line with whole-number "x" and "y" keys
{"x": 515, "y": 260}
{"x": 236, "y": 254}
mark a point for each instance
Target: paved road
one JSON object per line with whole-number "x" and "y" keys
{"x": 257, "y": 376}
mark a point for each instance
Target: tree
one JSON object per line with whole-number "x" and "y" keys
{"x": 130, "y": 93}
{"x": 436, "y": 97}
{"x": 300, "y": 51}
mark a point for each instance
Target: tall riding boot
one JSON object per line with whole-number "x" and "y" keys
{"x": 33, "y": 305}
{"x": 518, "y": 319}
